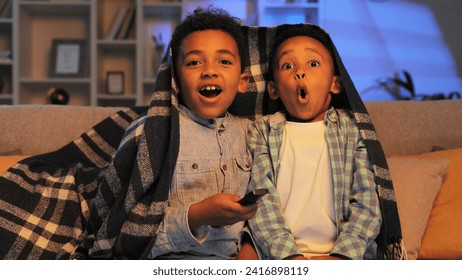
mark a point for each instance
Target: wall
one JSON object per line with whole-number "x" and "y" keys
{"x": 378, "y": 38}
{"x": 448, "y": 17}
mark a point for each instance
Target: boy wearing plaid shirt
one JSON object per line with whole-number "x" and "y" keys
{"x": 322, "y": 201}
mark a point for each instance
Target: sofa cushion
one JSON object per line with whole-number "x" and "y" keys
{"x": 416, "y": 183}
{"x": 442, "y": 238}
{"x": 8, "y": 161}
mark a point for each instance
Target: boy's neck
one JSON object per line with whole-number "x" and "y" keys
{"x": 205, "y": 121}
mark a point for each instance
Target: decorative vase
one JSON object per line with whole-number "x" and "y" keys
{"x": 58, "y": 96}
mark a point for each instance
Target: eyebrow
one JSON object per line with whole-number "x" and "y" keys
{"x": 221, "y": 51}
{"x": 309, "y": 49}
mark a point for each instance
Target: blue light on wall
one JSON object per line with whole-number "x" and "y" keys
{"x": 378, "y": 39}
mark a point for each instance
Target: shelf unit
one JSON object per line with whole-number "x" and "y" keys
{"x": 6, "y": 62}
{"x": 34, "y": 24}
{"x": 114, "y": 55}
{"x": 276, "y": 12}
{"x": 37, "y": 24}
{"x": 157, "y": 20}
{"x": 25, "y": 78}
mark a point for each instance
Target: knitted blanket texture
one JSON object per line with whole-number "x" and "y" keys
{"x": 104, "y": 194}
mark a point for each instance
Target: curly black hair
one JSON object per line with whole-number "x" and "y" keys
{"x": 286, "y": 31}
{"x": 205, "y": 19}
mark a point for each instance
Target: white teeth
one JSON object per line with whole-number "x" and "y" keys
{"x": 210, "y": 88}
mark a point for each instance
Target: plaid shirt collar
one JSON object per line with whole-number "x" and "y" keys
{"x": 279, "y": 118}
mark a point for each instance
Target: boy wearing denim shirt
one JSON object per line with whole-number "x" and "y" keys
{"x": 322, "y": 201}
{"x": 203, "y": 219}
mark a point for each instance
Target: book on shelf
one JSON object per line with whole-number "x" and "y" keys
{"x": 6, "y": 8}
{"x": 5, "y": 55}
{"x": 117, "y": 23}
{"x": 128, "y": 22}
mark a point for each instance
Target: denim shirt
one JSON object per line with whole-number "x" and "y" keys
{"x": 213, "y": 158}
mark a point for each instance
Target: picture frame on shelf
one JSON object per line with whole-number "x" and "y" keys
{"x": 67, "y": 58}
{"x": 115, "y": 82}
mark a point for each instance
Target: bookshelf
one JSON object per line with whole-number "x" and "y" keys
{"x": 276, "y": 12}
{"x": 30, "y": 27}
{"x": 134, "y": 53}
{"x": 6, "y": 59}
{"x": 36, "y": 25}
{"x": 135, "y": 49}
{"x": 29, "y": 30}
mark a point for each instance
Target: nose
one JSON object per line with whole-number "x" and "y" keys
{"x": 300, "y": 75}
{"x": 209, "y": 72}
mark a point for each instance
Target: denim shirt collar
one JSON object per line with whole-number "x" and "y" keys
{"x": 210, "y": 123}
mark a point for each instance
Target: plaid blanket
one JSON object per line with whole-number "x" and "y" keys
{"x": 45, "y": 199}
{"x": 104, "y": 194}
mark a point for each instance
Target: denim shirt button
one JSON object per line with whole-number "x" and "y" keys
{"x": 195, "y": 166}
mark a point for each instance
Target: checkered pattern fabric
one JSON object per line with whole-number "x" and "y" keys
{"x": 104, "y": 194}
{"x": 45, "y": 200}
{"x": 357, "y": 207}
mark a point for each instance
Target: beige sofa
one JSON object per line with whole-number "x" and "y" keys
{"x": 421, "y": 139}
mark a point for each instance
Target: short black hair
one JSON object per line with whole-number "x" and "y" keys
{"x": 206, "y": 19}
{"x": 286, "y": 31}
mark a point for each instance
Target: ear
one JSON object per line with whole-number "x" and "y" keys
{"x": 272, "y": 90}
{"x": 243, "y": 83}
{"x": 336, "y": 86}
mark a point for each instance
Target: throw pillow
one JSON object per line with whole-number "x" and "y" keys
{"x": 7, "y": 161}
{"x": 442, "y": 239}
{"x": 416, "y": 183}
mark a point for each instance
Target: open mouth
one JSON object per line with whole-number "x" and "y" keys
{"x": 210, "y": 91}
{"x": 303, "y": 94}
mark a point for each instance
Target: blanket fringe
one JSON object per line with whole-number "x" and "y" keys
{"x": 394, "y": 251}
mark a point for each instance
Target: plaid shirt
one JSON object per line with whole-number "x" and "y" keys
{"x": 356, "y": 204}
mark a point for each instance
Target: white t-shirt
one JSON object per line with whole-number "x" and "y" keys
{"x": 306, "y": 189}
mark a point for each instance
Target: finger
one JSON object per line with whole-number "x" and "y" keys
{"x": 251, "y": 207}
{"x": 232, "y": 197}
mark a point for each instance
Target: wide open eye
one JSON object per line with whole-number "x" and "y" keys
{"x": 313, "y": 63}
{"x": 287, "y": 66}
